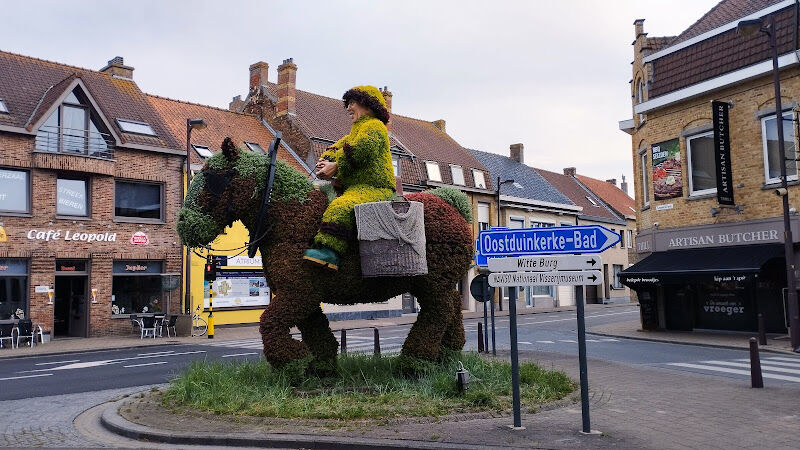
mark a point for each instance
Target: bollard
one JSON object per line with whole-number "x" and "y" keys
{"x": 343, "y": 341}
{"x": 376, "y": 350}
{"x": 480, "y": 338}
{"x": 762, "y": 330}
{"x": 756, "y": 379}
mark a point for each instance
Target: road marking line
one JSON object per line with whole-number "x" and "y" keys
{"x": 573, "y": 318}
{"x": 764, "y": 366}
{"x": 26, "y": 376}
{"x": 735, "y": 371}
{"x": 778, "y": 358}
{"x": 609, "y": 340}
{"x": 774, "y": 363}
{"x": 156, "y": 353}
{"x": 146, "y": 364}
{"x": 546, "y": 342}
{"x": 239, "y": 354}
{"x": 88, "y": 364}
{"x": 526, "y": 342}
{"x": 56, "y": 362}
{"x": 571, "y": 341}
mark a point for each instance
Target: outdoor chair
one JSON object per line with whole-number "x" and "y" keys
{"x": 135, "y": 322}
{"x": 148, "y": 326}
{"x": 26, "y": 330}
{"x": 6, "y": 334}
{"x": 170, "y": 323}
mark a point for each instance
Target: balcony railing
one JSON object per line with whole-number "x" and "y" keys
{"x": 72, "y": 141}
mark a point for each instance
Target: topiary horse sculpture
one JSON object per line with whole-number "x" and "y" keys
{"x": 230, "y": 188}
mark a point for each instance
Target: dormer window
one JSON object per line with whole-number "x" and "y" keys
{"x": 432, "y": 167}
{"x": 73, "y": 128}
{"x": 203, "y": 151}
{"x": 130, "y": 126}
{"x": 480, "y": 180}
{"x": 591, "y": 200}
{"x": 458, "y": 174}
{"x": 254, "y": 147}
{"x": 3, "y": 107}
{"x": 396, "y": 165}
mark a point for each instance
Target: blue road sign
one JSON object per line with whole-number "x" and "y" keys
{"x": 494, "y": 243}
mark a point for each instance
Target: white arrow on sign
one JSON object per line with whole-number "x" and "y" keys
{"x": 562, "y": 278}
{"x": 545, "y": 263}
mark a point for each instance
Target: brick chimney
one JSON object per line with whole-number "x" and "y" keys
{"x": 387, "y": 97}
{"x": 116, "y": 68}
{"x": 612, "y": 181}
{"x": 440, "y": 124}
{"x": 624, "y": 184}
{"x": 236, "y": 104}
{"x": 569, "y": 171}
{"x": 258, "y": 74}
{"x": 287, "y": 78}
{"x": 518, "y": 153}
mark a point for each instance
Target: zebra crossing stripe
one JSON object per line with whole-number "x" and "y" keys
{"x": 764, "y": 366}
{"x": 735, "y": 371}
{"x": 775, "y": 363}
{"x": 779, "y": 358}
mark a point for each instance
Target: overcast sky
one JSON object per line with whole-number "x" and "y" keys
{"x": 550, "y": 74}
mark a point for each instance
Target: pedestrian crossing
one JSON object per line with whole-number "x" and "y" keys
{"x": 772, "y": 368}
{"x": 355, "y": 344}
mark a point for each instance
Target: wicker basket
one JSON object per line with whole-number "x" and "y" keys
{"x": 391, "y": 257}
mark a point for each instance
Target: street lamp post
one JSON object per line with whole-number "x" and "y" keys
{"x": 748, "y": 28}
{"x": 191, "y": 124}
{"x": 499, "y": 224}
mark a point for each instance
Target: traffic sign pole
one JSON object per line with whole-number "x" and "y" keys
{"x": 494, "y": 348}
{"x": 485, "y": 327}
{"x": 512, "y": 325}
{"x": 582, "y": 359}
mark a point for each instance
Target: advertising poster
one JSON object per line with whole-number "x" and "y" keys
{"x": 667, "y": 179}
{"x": 238, "y": 289}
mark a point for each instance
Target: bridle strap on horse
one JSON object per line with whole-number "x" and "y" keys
{"x": 258, "y": 236}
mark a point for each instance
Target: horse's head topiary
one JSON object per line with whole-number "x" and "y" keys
{"x": 229, "y": 188}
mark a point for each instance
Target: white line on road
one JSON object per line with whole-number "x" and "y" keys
{"x": 570, "y": 341}
{"x": 774, "y": 363}
{"x": 56, "y": 362}
{"x": 26, "y": 376}
{"x": 546, "y": 342}
{"x": 239, "y": 354}
{"x": 146, "y": 364}
{"x": 764, "y": 366}
{"x": 156, "y": 353}
{"x": 778, "y": 358}
{"x": 88, "y": 364}
{"x": 735, "y": 371}
{"x": 525, "y": 342}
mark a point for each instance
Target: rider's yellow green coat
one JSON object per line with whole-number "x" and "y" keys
{"x": 366, "y": 173}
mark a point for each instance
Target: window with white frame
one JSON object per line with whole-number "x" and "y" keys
{"x": 132, "y": 126}
{"x": 254, "y": 147}
{"x": 432, "y": 167}
{"x": 203, "y": 151}
{"x": 566, "y": 224}
{"x": 483, "y": 216}
{"x": 702, "y": 168}
{"x": 643, "y": 169}
{"x": 396, "y": 165}
{"x": 458, "y": 174}
{"x": 591, "y": 200}
{"x": 516, "y": 222}
{"x": 3, "y": 107}
{"x": 630, "y": 238}
{"x": 769, "y": 135}
{"x": 479, "y": 179}
{"x": 71, "y": 196}
{"x": 15, "y": 191}
{"x": 622, "y": 238}
{"x": 541, "y": 224}
{"x": 616, "y": 283}
{"x": 640, "y": 98}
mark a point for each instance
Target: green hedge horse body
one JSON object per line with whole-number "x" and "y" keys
{"x": 230, "y": 188}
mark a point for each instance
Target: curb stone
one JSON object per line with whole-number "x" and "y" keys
{"x": 114, "y": 422}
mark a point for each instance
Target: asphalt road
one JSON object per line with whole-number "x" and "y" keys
{"x": 552, "y": 332}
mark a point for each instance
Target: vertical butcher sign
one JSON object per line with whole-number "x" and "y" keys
{"x": 722, "y": 153}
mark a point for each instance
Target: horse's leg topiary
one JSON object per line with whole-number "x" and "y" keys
{"x": 453, "y": 338}
{"x": 426, "y": 334}
{"x": 276, "y": 320}
{"x": 318, "y": 337}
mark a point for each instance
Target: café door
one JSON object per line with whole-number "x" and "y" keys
{"x": 71, "y": 307}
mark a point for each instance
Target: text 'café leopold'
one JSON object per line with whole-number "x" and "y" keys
{"x": 90, "y": 185}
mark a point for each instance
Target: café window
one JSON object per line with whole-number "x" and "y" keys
{"x": 13, "y": 288}
{"x": 458, "y": 174}
{"x": 138, "y": 201}
{"x": 702, "y": 169}
{"x": 616, "y": 283}
{"x": 137, "y": 287}
{"x": 769, "y": 136}
{"x": 483, "y": 216}
{"x": 15, "y": 188}
{"x": 434, "y": 174}
{"x": 71, "y": 197}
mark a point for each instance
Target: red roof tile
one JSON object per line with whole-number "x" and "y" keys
{"x": 221, "y": 124}
{"x": 569, "y": 186}
{"x": 25, "y": 82}
{"x": 614, "y": 197}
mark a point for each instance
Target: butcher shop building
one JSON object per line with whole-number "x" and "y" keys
{"x": 710, "y": 241}
{"x": 90, "y": 185}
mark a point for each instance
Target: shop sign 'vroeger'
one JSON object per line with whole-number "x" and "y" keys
{"x": 68, "y": 235}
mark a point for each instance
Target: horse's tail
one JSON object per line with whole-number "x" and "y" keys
{"x": 455, "y": 198}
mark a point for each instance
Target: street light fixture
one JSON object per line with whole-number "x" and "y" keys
{"x": 191, "y": 124}
{"x": 499, "y": 224}
{"x": 749, "y": 28}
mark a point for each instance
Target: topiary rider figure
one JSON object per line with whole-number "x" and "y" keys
{"x": 362, "y": 163}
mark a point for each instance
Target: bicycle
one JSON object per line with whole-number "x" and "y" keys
{"x": 199, "y": 325}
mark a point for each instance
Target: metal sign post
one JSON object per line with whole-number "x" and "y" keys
{"x": 584, "y": 371}
{"x": 491, "y": 299}
{"x": 512, "y": 325}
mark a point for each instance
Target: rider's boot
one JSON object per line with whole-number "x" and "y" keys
{"x": 323, "y": 256}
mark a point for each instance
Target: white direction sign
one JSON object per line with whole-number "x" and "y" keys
{"x": 562, "y": 278}
{"x": 545, "y": 263}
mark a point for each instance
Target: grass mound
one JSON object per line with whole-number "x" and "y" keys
{"x": 363, "y": 387}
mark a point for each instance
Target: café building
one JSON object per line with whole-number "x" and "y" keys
{"x": 90, "y": 186}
